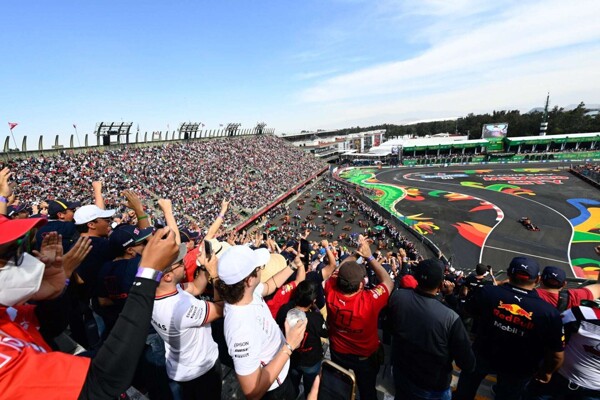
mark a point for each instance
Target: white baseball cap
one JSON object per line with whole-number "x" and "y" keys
{"x": 239, "y": 261}
{"x": 88, "y": 213}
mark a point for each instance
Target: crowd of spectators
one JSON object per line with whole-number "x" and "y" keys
{"x": 251, "y": 171}
{"x": 589, "y": 171}
{"x": 162, "y": 308}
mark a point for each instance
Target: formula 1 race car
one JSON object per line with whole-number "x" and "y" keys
{"x": 526, "y": 222}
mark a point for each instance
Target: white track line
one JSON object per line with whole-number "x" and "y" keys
{"x": 520, "y": 197}
{"x": 527, "y": 254}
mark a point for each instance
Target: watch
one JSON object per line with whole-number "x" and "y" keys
{"x": 292, "y": 266}
{"x": 149, "y": 273}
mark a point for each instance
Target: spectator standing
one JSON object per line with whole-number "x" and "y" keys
{"x": 31, "y": 369}
{"x": 552, "y": 289}
{"x": 352, "y": 316}
{"x": 261, "y": 353}
{"x": 60, "y": 220}
{"x": 306, "y": 359}
{"x": 184, "y": 323}
{"x": 579, "y": 376}
{"x": 427, "y": 337}
{"x": 520, "y": 336}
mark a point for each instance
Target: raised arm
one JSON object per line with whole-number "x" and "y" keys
{"x": 6, "y": 189}
{"x": 134, "y": 202}
{"x": 167, "y": 208}
{"x": 364, "y": 250}
{"x": 330, "y": 267}
{"x": 282, "y": 276}
{"x": 214, "y": 228}
{"x": 98, "y": 199}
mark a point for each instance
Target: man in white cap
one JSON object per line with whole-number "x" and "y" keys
{"x": 260, "y": 352}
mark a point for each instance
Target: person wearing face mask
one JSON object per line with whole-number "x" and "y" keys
{"x": 352, "y": 314}
{"x": 29, "y": 367}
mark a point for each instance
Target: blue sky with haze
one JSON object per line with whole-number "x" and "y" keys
{"x": 293, "y": 64}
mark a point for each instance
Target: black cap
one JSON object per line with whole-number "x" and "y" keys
{"x": 61, "y": 205}
{"x": 429, "y": 273}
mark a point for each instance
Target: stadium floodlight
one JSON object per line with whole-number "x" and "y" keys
{"x": 260, "y": 126}
{"x": 108, "y": 129}
{"x": 232, "y": 128}
{"x": 189, "y": 129}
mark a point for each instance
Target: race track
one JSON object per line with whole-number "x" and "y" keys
{"x": 471, "y": 214}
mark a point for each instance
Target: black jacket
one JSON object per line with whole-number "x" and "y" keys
{"x": 427, "y": 337}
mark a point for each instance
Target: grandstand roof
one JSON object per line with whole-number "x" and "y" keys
{"x": 568, "y": 137}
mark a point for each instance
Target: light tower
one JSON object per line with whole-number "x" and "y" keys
{"x": 544, "y": 124}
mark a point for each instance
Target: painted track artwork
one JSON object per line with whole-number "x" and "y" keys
{"x": 471, "y": 214}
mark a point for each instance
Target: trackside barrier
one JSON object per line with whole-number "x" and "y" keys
{"x": 390, "y": 217}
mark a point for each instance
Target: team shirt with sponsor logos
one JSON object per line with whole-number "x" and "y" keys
{"x": 582, "y": 355}
{"x": 352, "y": 320}
{"x": 281, "y": 297}
{"x": 253, "y": 337}
{"x": 516, "y": 328}
{"x": 180, "y": 320}
{"x": 29, "y": 369}
{"x": 574, "y": 298}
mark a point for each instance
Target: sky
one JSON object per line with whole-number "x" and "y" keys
{"x": 296, "y": 65}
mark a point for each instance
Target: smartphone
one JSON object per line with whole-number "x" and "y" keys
{"x": 208, "y": 251}
{"x": 337, "y": 383}
{"x": 265, "y": 236}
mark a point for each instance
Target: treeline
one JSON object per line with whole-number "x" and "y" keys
{"x": 559, "y": 121}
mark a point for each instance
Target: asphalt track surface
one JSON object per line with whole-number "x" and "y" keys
{"x": 546, "y": 203}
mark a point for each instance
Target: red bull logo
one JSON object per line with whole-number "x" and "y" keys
{"x": 516, "y": 316}
{"x": 515, "y": 309}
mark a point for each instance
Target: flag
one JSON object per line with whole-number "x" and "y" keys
{"x": 74, "y": 126}
{"x": 11, "y": 125}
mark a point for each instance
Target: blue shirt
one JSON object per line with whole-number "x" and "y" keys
{"x": 516, "y": 328}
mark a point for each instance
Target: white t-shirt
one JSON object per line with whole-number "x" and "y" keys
{"x": 253, "y": 337}
{"x": 180, "y": 320}
{"x": 582, "y": 354}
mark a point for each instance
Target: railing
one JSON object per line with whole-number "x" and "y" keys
{"x": 281, "y": 198}
{"x": 390, "y": 217}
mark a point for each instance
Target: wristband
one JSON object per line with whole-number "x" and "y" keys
{"x": 142, "y": 217}
{"x": 149, "y": 273}
{"x": 3, "y": 199}
{"x": 222, "y": 216}
{"x": 292, "y": 266}
{"x": 286, "y": 344}
{"x": 371, "y": 258}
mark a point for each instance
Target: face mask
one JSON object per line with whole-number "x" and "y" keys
{"x": 19, "y": 283}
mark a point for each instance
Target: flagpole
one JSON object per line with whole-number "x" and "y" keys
{"x": 77, "y": 135}
{"x": 13, "y": 138}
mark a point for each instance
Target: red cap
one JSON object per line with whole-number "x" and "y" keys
{"x": 12, "y": 229}
{"x": 408, "y": 282}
